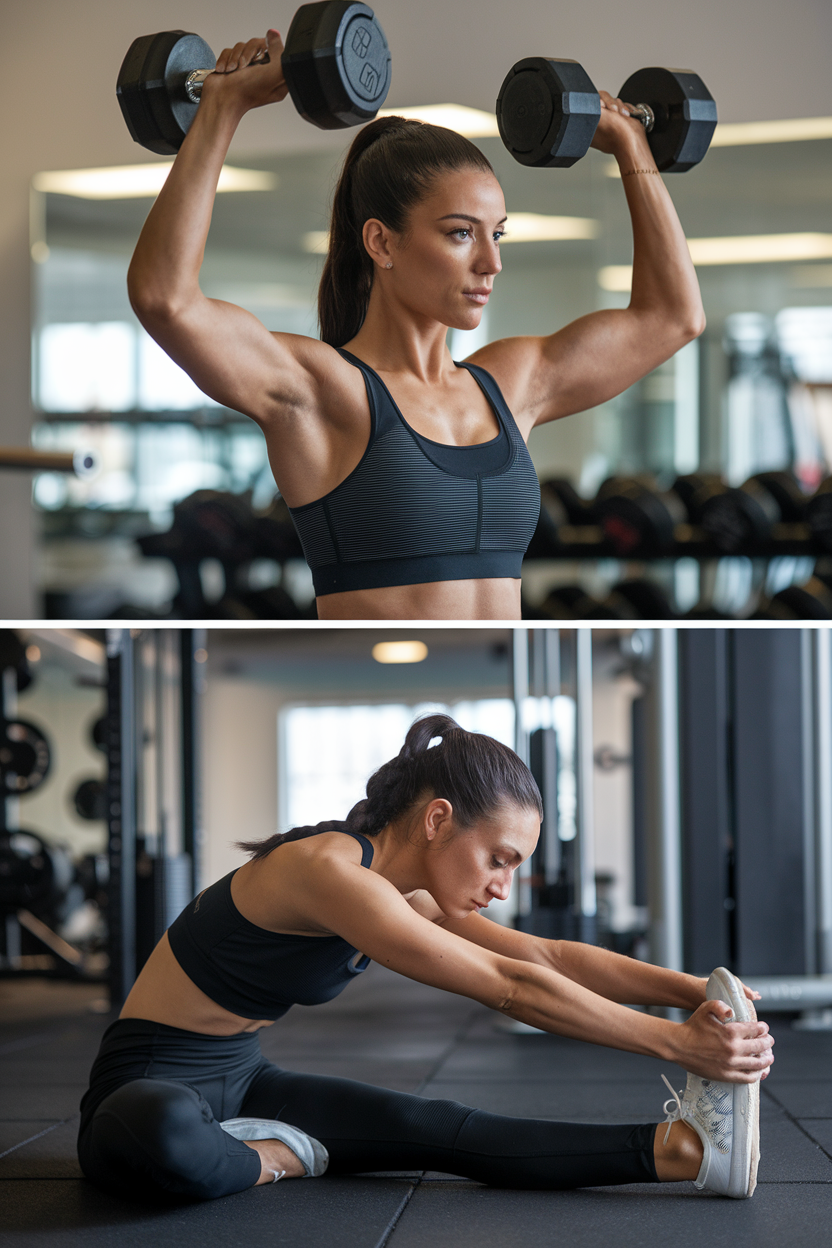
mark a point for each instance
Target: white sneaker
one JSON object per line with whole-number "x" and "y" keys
{"x": 725, "y": 1116}
{"x": 310, "y": 1152}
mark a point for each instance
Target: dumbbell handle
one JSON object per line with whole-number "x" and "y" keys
{"x": 644, "y": 114}
{"x": 195, "y": 79}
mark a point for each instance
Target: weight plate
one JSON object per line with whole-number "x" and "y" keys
{"x": 336, "y": 63}
{"x": 685, "y": 114}
{"x": 547, "y": 112}
{"x": 151, "y": 87}
{"x": 90, "y": 800}
{"x": 26, "y": 870}
{"x": 24, "y": 757}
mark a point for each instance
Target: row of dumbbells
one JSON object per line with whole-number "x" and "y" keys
{"x": 699, "y": 515}
{"x": 640, "y": 598}
{"x": 336, "y": 64}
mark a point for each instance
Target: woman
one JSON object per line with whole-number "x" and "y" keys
{"x": 181, "y": 1102}
{"x": 407, "y": 475}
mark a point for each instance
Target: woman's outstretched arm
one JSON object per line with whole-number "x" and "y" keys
{"x": 600, "y": 355}
{"x": 368, "y": 912}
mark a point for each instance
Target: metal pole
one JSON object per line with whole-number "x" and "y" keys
{"x": 668, "y": 911}
{"x": 585, "y": 898}
{"x": 809, "y": 758}
{"x": 121, "y": 812}
{"x": 521, "y": 893}
{"x": 823, "y": 801}
{"x": 520, "y": 689}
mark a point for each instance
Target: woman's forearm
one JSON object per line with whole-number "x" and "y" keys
{"x": 558, "y": 1004}
{"x": 623, "y": 979}
{"x": 664, "y": 278}
{"x": 164, "y": 272}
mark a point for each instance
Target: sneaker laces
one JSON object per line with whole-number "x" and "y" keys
{"x": 673, "y": 1108}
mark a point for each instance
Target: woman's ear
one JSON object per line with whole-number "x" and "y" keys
{"x": 377, "y": 240}
{"x": 437, "y": 817}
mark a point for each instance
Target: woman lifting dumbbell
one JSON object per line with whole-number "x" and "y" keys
{"x": 181, "y": 1102}
{"x": 407, "y": 475}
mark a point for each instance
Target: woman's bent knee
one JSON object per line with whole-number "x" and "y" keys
{"x": 159, "y": 1133}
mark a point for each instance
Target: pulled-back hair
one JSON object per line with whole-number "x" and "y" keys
{"x": 473, "y": 772}
{"x": 390, "y": 166}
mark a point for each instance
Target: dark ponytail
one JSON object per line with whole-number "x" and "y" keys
{"x": 475, "y": 773}
{"x": 390, "y": 166}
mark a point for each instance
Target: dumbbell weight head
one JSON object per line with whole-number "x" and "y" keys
{"x": 336, "y": 64}
{"x": 637, "y": 518}
{"x": 151, "y": 87}
{"x": 547, "y": 112}
{"x": 684, "y": 115}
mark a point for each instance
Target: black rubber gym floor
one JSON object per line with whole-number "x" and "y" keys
{"x": 390, "y": 1031}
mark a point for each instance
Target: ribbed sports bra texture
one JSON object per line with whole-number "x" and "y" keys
{"x": 414, "y": 510}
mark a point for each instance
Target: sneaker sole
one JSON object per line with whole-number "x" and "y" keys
{"x": 723, "y": 986}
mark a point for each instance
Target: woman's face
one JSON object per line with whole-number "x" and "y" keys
{"x": 469, "y": 867}
{"x": 444, "y": 264}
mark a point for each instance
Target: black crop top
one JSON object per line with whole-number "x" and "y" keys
{"x": 414, "y": 510}
{"x": 251, "y": 971}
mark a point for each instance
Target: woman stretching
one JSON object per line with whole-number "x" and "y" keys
{"x": 407, "y": 475}
{"x": 182, "y": 1103}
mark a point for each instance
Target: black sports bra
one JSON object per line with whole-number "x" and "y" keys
{"x": 251, "y": 971}
{"x": 414, "y": 510}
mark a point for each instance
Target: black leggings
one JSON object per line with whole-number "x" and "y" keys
{"x": 150, "y": 1124}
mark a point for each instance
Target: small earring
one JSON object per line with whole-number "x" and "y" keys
{"x": 389, "y": 264}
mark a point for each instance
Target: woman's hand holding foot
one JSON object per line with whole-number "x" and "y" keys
{"x": 711, "y": 1046}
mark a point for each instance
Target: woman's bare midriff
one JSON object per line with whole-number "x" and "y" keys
{"x": 497, "y": 599}
{"x": 163, "y": 993}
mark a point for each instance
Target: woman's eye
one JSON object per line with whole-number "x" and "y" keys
{"x": 499, "y": 235}
{"x": 499, "y": 865}
{"x": 462, "y": 233}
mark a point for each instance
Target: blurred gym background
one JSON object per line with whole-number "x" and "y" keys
{"x": 179, "y": 518}
{"x": 685, "y": 776}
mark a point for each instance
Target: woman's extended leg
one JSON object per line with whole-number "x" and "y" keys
{"x": 367, "y": 1128}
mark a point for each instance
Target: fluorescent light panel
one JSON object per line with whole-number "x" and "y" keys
{"x": 739, "y": 249}
{"x": 400, "y": 651}
{"x": 474, "y": 123}
{"x": 140, "y": 181}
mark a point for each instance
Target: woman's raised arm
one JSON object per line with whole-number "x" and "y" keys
{"x": 598, "y": 356}
{"x": 227, "y": 351}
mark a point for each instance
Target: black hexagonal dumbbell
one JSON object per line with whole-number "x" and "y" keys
{"x": 336, "y": 63}
{"x": 548, "y": 111}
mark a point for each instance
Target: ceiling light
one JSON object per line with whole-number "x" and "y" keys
{"x": 735, "y": 249}
{"x": 791, "y": 131}
{"x": 472, "y": 122}
{"x": 400, "y": 651}
{"x": 140, "y": 181}
{"x": 316, "y": 242}
{"x": 533, "y": 227}
{"x": 759, "y": 248}
{"x": 617, "y": 277}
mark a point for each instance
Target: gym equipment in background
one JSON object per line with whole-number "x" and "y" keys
{"x": 548, "y": 111}
{"x": 25, "y": 757}
{"x": 336, "y": 63}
